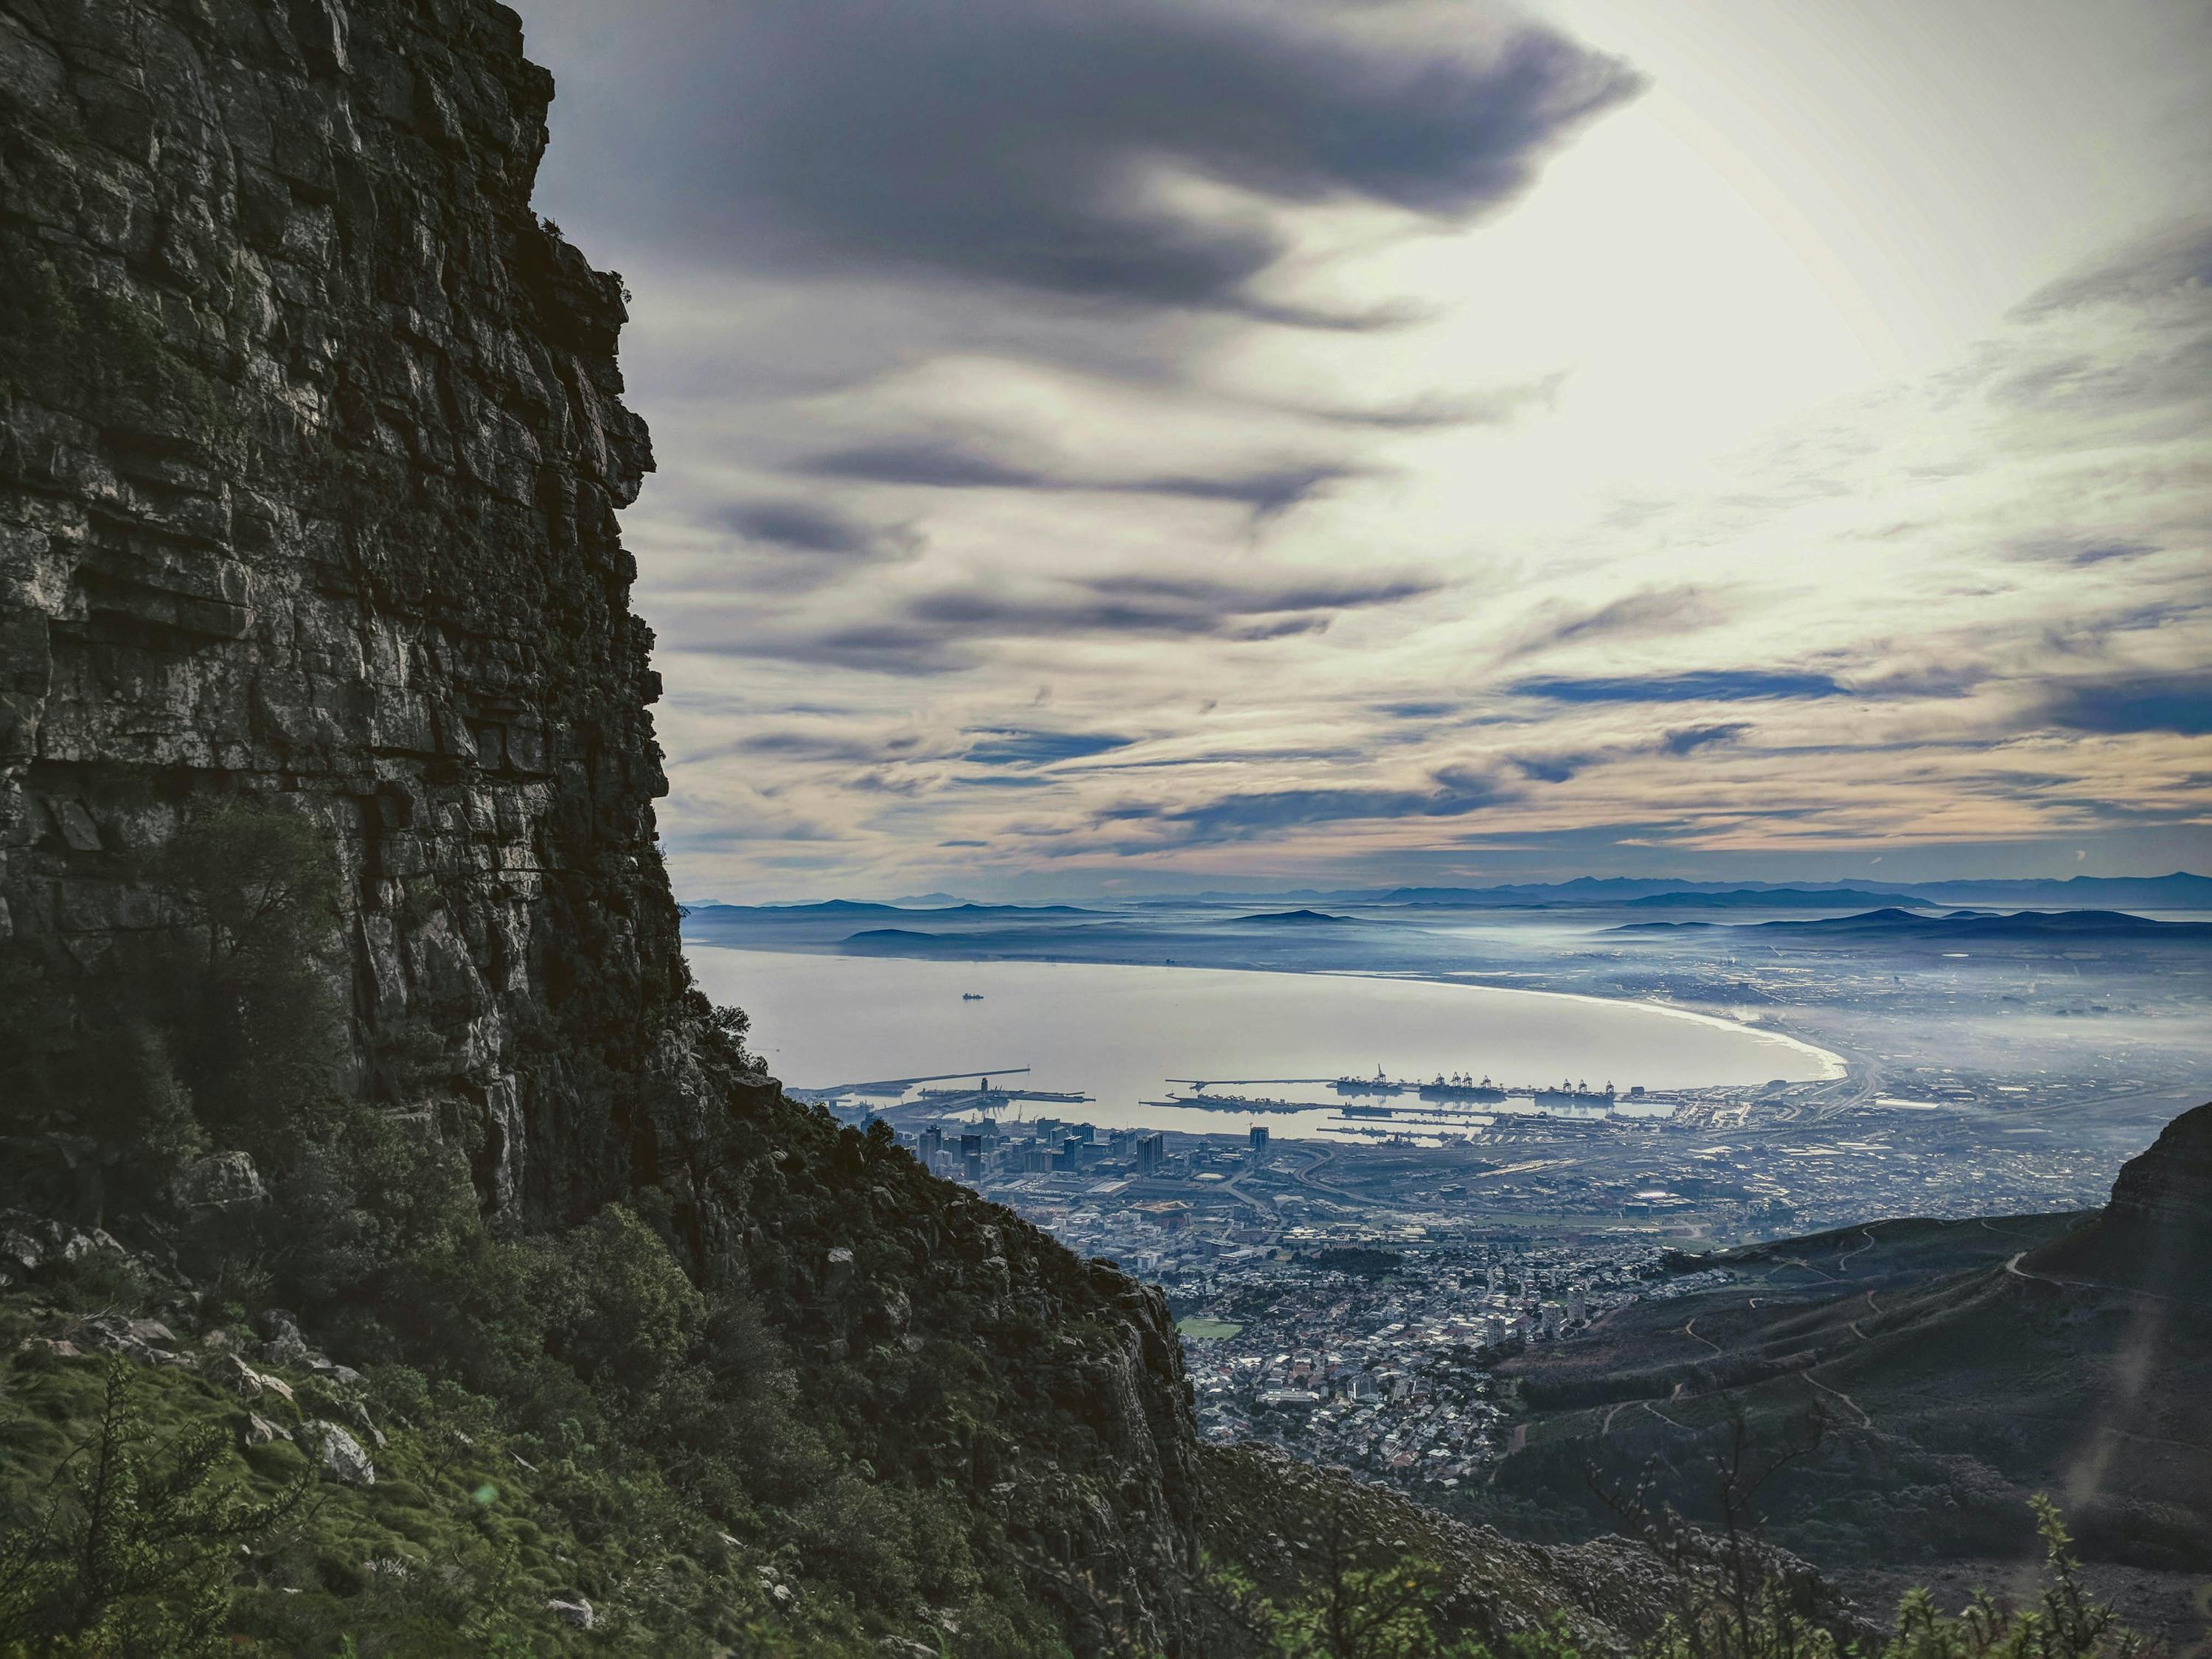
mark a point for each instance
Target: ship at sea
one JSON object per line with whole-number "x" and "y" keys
{"x": 1578, "y": 1094}
{"x": 1460, "y": 1086}
{"x": 1378, "y": 1084}
{"x": 1235, "y": 1103}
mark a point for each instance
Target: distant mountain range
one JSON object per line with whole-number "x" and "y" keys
{"x": 1771, "y": 898}
{"x": 1961, "y": 926}
{"x": 2178, "y": 891}
{"x": 851, "y": 907}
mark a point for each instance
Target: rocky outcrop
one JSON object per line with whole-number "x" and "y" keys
{"x": 310, "y": 450}
{"x": 338, "y": 1455}
{"x": 2167, "y": 1190}
{"x": 2155, "y": 1233}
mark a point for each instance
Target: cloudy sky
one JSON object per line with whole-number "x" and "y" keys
{"x": 1151, "y": 444}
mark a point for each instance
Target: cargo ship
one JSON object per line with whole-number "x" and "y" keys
{"x": 1460, "y": 1086}
{"x": 1579, "y": 1094}
{"x": 1378, "y": 1084}
{"x": 1235, "y": 1104}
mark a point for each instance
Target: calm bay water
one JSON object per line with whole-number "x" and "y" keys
{"x": 1119, "y": 1033}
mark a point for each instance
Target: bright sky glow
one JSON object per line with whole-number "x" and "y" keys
{"x": 1215, "y": 443}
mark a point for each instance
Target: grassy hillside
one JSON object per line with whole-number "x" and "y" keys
{"x": 1944, "y": 1386}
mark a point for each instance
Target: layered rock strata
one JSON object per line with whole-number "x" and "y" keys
{"x": 310, "y": 454}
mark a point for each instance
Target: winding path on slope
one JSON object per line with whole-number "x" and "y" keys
{"x": 2014, "y": 1267}
{"x": 1865, "y": 1422}
{"x": 1843, "y": 1261}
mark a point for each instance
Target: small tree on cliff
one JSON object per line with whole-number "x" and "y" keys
{"x": 132, "y": 1553}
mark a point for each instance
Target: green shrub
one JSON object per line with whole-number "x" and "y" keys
{"x": 130, "y": 1552}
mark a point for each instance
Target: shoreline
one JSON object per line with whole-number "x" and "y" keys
{"x": 1840, "y": 1067}
{"x": 1831, "y": 1066}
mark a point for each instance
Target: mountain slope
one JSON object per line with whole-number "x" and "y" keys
{"x": 1959, "y": 1366}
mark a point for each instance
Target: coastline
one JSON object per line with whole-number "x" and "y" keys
{"x": 1803, "y": 1060}
{"x": 1839, "y": 1068}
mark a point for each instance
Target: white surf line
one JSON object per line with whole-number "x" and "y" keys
{"x": 1839, "y": 1067}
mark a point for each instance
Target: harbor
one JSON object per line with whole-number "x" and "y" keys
{"x": 1206, "y": 1052}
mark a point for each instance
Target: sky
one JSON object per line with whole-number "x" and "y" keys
{"x": 1157, "y": 445}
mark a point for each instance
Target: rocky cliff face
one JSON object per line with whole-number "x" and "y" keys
{"x": 2168, "y": 1188}
{"x": 2156, "y": 1231}
{"x": 309, "y": 461}
{"x": 311, "y": 446}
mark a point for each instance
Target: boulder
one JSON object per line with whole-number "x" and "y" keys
{"x": 217, "y": 1182}
{"x": 283, "y": 1344}
{"x": 340, "y": 1455}
{"x": 322, "y": 1366}
{"x": 260, "y": 1431}
{"x": 142, "y": 1342}
{"x": 231, "y": 1372}
{"x": 577, "y": 1614}
{"x": 30, "y": 1243}
{"x": 356, "y": 1415}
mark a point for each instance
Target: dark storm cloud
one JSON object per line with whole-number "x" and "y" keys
{"x": 1009, "y": 141}
{"x": 1031, "y": 748}
{"x": 1558, "y": 767}
{"x": 831, "y": 745}
{"x": 1417, "y": 711}
{"x": 946, "y": 463}
{"x": 2176, "y": 260}
{"x": 798, "y": 545}
{"x": 936, "y": 463}
{"x": 937, "y": 632}
{"x": 799, "y": 527}
{"x": 1431, "y": 413}
{"x": 1633, "y": 616}
{"x": 2162, "y": 287}
{"x": 1686, "y": 740}
{"x": 1159, "y": 606}
{"x": 1550, "y": 769}
{"x": 1715, "y": 685}
{"x": 1302, "y": 753}
{"x": 2056, "y": 549}
{"x": 2106, "y": 551}
{"x": 2179, "y": 703}
{"x": 1455, "y": 791}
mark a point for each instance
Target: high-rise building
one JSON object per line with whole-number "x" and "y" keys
{"x": 971, "y": 1158}
{"x": 1151, "y": 1153}
{"x": 1259, "y": 1141}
